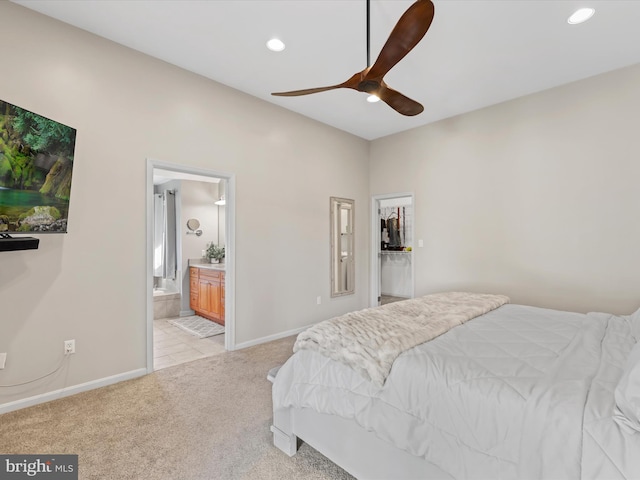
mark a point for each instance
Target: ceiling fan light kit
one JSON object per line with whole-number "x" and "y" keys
{"x": 409, "y": 30}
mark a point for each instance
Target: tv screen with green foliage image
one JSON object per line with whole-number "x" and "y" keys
{"x": 36, "y": 163}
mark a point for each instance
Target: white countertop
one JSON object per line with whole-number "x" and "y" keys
{"x": 209, "y": 266}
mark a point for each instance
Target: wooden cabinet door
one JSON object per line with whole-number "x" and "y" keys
{"x": 204, "y": 296}
{"x": 194, "y": 289}
{"x": 222, "y": 300}
{"x": 216, "y": 302}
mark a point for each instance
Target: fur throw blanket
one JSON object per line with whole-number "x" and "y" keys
{"x": 370, "y": 340}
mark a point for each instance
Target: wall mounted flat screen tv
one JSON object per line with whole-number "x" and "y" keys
{"x": 36, "y": 166}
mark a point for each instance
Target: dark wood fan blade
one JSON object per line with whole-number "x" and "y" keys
{"x": 296, "y": 93}
{"x": 398, "y": 101}
{"x": 351, "y": 83}
{"x": 409, "y": 30}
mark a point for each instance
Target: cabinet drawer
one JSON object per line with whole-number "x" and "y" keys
{"x": 210, "y": 274}
{"x": 193, "y": 276}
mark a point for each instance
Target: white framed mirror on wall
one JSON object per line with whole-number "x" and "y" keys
{"x": 342, "y": 214}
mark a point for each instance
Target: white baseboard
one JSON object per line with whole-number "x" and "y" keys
{"x": 103, "y": 382}
{"x": 68, "y": 391}
{"x": 269, "y": 338}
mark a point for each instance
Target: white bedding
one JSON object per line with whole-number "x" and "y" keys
{"x": 370, "y": 340}
{"x": 519, "y": 392}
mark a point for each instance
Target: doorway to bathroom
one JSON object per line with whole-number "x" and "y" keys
{"x": 392, "y": 238}
{"x": 190, "y": 272}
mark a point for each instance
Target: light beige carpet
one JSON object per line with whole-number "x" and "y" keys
{"x": 207, "y": 419}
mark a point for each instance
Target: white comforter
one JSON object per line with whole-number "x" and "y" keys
{"x": 370, "y": 340}
{"x": 519, "y": 392}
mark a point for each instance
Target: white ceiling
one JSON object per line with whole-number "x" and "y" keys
{"x": 476, "y": 53}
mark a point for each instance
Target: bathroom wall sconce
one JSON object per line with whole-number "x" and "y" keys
{"x": 193, "y": 224}
{"x": 222, "y": 201}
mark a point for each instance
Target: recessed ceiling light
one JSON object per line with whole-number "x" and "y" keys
{"x": 275, "y": 45}
{"x": 372, "y": 99}
{"x": 581, "y": 15}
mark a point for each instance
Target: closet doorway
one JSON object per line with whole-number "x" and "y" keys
{"x": 204, "y": 214}
{"x": 392, "y": 248}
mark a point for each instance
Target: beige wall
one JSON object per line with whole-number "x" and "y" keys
{"x": 536, "y": 198}
{"x": 90, "y": 285}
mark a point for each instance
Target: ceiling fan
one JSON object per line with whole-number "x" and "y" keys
{"x": 409, "y": 30}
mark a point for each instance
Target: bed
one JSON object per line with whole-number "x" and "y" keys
{"x": 516, "y": 392}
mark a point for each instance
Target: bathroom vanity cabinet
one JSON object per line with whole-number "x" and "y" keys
{"x": 207, "y": 292}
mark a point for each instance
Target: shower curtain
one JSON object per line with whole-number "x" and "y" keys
{"x": 164, "y": 234}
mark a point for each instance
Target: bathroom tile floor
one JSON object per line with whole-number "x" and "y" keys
{"x": 173, "y": 346}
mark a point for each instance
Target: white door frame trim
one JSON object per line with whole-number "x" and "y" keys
{"x": 230, "y": 266}
{"x": 375, "y": 244}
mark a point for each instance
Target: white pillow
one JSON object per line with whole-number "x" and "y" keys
{"x": 627, "y": 393}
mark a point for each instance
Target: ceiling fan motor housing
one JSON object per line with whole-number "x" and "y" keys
{"x": 369, "y": 86}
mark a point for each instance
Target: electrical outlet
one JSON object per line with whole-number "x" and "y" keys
{"x": 318, "y": 300}
{"x": 69, "y": 347}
